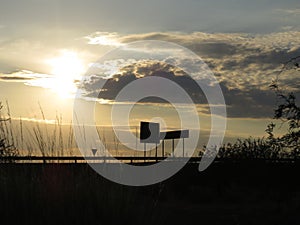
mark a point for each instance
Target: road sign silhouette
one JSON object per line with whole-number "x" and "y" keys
{"x": 149, "y": 132}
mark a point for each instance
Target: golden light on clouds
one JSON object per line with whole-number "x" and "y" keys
{"x": 104, "y": 38}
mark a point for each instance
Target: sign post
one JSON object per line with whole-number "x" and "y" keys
{"x": 150, "y": 133}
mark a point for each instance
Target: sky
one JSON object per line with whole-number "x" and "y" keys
{"x": 47, "y": 45}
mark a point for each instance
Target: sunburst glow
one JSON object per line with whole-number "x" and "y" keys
{"x": 66, "y": 68}
{"x": 67, "y": 64}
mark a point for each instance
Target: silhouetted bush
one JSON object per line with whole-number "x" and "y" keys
{"x": 249, "y": 148}
{"x": 286, "y": 146}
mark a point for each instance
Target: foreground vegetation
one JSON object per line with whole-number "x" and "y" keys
{"x": 226, "y": 193}
{"x": 286, "y": 111}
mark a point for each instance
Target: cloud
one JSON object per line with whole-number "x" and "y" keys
{"x": 104, "y": 38}
{"x": 109, "y": 87}
{"x": 21, "y": 76}
{"x": 242, "y": 60}
{"x": 253, "y": 102}
{"x": 244, "y": 65}
{"x": 290, "y": 12}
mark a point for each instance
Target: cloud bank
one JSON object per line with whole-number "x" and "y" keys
{"x": 244, "y": 64}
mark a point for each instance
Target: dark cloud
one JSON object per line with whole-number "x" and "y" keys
{"x": 250, "y": 103}
{"x": 253, "y": 103}
{"x": 109, "y": 88}
{"x": 243, "y": 61}
{"x": 21, "y": 75}
{"x": 243, "y": 64}
{"x": 213, "y": 50}
{"x": 15, "y": 78}
{"x": 274, "y": 57}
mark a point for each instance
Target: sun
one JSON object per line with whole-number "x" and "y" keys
{"x": 67, "y": 64}
{"x": 65, "y": 69}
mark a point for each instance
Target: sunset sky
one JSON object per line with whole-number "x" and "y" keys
{"x": 47, "y": 45}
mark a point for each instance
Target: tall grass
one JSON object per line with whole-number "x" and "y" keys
{"x": 18, "y": 137}
{"x": 57, "y": 139}
{"x": 7, "y": 140}
{"x": 53, "y": 142}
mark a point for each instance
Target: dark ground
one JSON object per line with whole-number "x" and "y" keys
{"x": 226, "y": 193}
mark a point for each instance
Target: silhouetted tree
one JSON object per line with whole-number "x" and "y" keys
{"x": 288, "y": 111}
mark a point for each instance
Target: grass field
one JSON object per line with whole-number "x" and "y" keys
{"x": 226, "y": 193}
